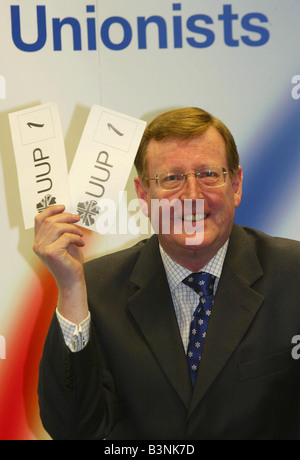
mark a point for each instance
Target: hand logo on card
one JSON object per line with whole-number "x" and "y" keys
{"x": 45, "y": 203}
{"x": 87, "y": 211}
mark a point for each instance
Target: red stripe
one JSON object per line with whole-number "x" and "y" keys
{"x": 19, "y": 372}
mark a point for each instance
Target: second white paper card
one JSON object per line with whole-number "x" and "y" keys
{"x": 103, "y": 162}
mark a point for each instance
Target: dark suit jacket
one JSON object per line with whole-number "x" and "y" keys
{"x": 132, "y": 382}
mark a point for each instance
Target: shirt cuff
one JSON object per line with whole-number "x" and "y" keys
{"x": 76, "y": 336}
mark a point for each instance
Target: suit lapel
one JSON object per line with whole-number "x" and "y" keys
{"x": 152, "y": 309}
{"x": 236, "y": 305}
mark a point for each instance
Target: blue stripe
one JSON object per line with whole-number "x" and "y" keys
{"x": 268, "y": 181}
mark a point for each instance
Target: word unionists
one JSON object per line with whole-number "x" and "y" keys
{"x": 118, "y": 33}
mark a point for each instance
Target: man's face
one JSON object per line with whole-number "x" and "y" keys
{"x": 219, "y": 203}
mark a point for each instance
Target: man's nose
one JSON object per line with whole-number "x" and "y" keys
{"x": 191, "y": 188}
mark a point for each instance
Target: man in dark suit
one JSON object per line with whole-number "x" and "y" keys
{"x": 116, "y": 358}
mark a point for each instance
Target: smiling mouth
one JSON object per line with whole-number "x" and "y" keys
{"x": 194, "y": 217}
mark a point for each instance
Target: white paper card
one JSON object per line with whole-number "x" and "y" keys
{"x": 103, "y": 162}
{"x": 40, "y": 158}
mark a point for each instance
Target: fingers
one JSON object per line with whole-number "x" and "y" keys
{"x": 52, "y": 211}
{"x": 53, "y": 222}
{"x": 55, "y": 226}
{"x": 62, "y": 238}
{"x": 54, "y": 214}
{"x": 62, "y": 251}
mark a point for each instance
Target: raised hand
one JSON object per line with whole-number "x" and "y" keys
{"x": 58, "y": 243}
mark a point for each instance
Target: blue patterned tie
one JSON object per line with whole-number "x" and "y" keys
{"x": 203, "y": 284}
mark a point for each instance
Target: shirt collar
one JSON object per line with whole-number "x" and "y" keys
{"x": 176, "y": 272}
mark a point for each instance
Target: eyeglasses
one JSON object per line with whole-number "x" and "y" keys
{"x": 174, "y": 179}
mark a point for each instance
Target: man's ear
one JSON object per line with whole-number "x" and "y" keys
{"x": 142, "y": 194}
{"x": 237, "y": 184}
